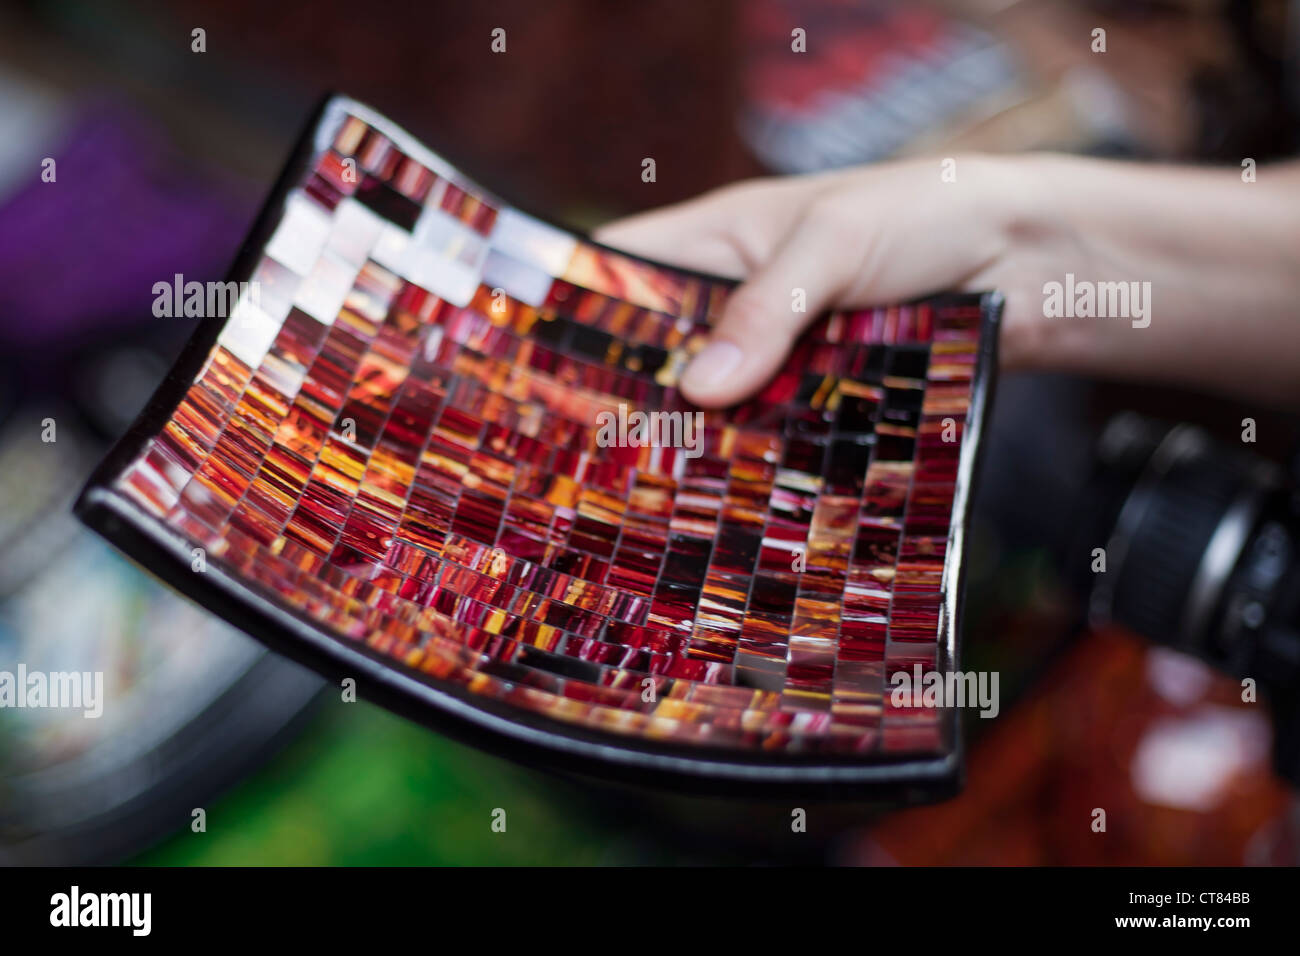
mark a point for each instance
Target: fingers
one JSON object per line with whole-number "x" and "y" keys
{"x": 691, "y": 234}
{"x": 844, "y": 240}
{"x": 716, "y": 255}
{"x": 764, "y": 316}
{"x": 727, "y": 232}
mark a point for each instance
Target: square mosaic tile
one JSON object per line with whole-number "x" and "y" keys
{"x": 437, "y": 446}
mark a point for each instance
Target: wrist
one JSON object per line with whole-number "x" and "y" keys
{"x": 1037, "y": 242}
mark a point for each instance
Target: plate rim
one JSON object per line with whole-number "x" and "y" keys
{"x": 532, "y": 739}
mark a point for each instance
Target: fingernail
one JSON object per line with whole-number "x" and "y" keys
{"x": 711, "y": 366}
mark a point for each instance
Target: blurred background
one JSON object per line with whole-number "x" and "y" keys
{"x": 163, "y": 156}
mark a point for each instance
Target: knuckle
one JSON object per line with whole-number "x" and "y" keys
{"x": 835, "y": 217}
{"x": 755, "y": 312}
{"x": 744, "y": 191}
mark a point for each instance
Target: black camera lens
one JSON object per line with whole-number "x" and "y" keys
{"x": 1179, "y": 529}
{"x": 1201, "y": 552}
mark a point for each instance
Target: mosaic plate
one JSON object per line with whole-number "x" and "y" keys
{"x": 436, "y": 446}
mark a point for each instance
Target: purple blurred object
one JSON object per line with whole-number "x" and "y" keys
{"x": 80, "y": 256}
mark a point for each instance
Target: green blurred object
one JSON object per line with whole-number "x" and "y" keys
{"x": 365, "y": 788}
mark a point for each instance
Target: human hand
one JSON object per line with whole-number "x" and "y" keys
{"x": 1219, "y": 251}
{"x": 849, "y": 239}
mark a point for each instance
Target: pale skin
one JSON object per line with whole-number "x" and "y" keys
{"x": 1222, "y": 257}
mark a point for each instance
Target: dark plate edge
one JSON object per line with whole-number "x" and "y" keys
{"x": 539, "y": 742}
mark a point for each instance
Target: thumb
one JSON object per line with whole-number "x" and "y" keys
{"x": 759, "y": 323}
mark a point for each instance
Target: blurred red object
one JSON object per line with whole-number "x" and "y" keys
{"x": 1166, "y": 747}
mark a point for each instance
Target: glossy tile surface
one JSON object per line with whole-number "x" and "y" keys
{"x": 399, "y": 437}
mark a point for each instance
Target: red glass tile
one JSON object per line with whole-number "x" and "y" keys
{"x": 421, "y": 474}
